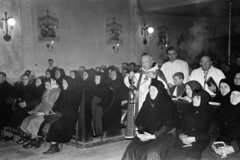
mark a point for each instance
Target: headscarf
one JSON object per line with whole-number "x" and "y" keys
{"x": 153, "y": 101}
{"x": 87, "y": 83}
{"x": 204, "y": 99}
{"x": 227, "y": 120}
{"x": 40, "y": 89}
{"x": 70, "y": 82}
{"x": 227, "y": 81}
{"x": 31, "y": 75}
{"x": 99, "y": 89}
{"x": 62, "y": 75}
{"x": 102, "y": 79}
{"x": 117, "y": 81}
{"x": 102, "y": 91}
{"x": 235, "y": 88}
{"x": 54, "y": 83}
{"x": 234, "y": 85}
{"x": 27, "y": 91}
{"x": 42, "y": 78}
{"x": 219, "y": 97}
{"x": 88, "y": 73}
{"x": 162, "y": 114}
{"x": 226, "y": 105}
{"x": 91, "y": 72}
{"x": 71, "y": 89}
{"x": 67, "y": 103}
{"x": 194, "y": 85}
{"x": 47, "y": 71}
{"x": 78, "y": 79}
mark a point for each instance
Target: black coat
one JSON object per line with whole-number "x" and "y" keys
{"x": 112, "y": 114}
{"x": 227, "y": 120}
{"x": 160, "y": 118}
{"x": 195, "y": 122}
{"x": 5, "y": 92}
{"x": 219, "y": 97}
{"x": 88, "y": 83}
{"x": 32, "y": 96}
{"x": 156, "y": 117}
{"x": 67, "y": 106}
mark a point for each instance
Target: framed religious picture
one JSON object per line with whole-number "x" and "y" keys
{"x": 163, "y": 35}
{"x": 48, "y": 29}
{"x": 114, "y": 31}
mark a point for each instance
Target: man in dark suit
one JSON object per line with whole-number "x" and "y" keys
{"x": 179, "y": 87}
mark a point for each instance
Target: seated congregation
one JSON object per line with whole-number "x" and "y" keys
{"x": 196, "y": 120}
{"x": 176, "y": 121}
{"x": 49, "y": 107}
{"x": 203, "y": 132}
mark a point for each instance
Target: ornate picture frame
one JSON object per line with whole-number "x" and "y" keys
{"x": 48, "y": 29}
{"x": 114, "y": 31}
{"x": 163, "y": 35}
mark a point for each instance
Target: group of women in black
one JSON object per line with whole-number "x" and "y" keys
{"x": 203, "y": 131}
{"x": 48, "y": 106}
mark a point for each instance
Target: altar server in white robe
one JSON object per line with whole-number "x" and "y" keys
{"x": 173, "y": 66}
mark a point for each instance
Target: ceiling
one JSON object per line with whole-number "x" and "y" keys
{"x": 192, "y": 8}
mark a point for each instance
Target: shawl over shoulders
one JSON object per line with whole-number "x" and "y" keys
{"x": 163, "y": 114}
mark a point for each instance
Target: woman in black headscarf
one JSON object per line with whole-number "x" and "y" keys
{"x": 25, "y": 100}
{"x": 88, "y": 80}
{"x": 22, "y": 113}
{"x": 77, "y": 80}
{"x": 155, "y": 122}
{"x": 192, "y": 135}
{"x": 191, "y": 86}
{"x": 227, "y": 130}
{"x": 224, "y": 91}
{"x": 59, "y": 75}
{"x": 40, "y": 87}
{"x": 66, "y": 107}
{"x": 112, "y": 114}
{"x": 101, "y": 99}
{"x": 115, "y": 78}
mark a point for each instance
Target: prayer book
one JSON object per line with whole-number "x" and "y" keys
{"x": 211, "y": 81}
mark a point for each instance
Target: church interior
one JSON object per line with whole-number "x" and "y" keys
{"x": 92, "y": 33}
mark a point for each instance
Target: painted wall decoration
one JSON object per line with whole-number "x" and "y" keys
{"x": 11, "y": 56}
{"x": 114, "y": 31}
{"x": 48, "y": 28}
{"x": 163, "y": 35}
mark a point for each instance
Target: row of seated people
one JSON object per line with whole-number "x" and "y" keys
{"x": 28, "y": 107}
{"x": 180, "y": 89}
{"x": 203, "y": 132}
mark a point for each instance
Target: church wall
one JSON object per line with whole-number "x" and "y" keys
{"x": 83, "y": 35}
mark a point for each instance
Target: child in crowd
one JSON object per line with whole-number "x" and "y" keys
{"x": 179, "y": 87}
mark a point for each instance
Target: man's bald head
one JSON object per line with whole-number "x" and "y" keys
{"x": 147, "y": 61}
{"x": 205, "y": 62}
